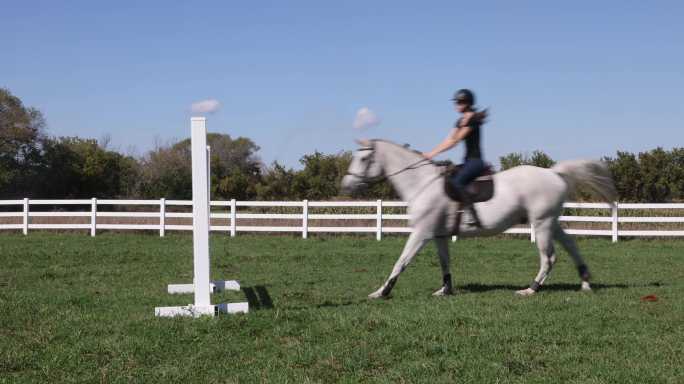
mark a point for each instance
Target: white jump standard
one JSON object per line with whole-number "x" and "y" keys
{"x": 202, "y": 286}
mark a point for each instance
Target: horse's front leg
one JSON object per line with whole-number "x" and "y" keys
{"x": 415, "y": 242}
{"x": 443, "y": 252}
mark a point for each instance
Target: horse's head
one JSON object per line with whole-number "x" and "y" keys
{"x": 363, "y": 169}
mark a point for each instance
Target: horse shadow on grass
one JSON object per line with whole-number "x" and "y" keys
{"x": 330, "y": 304}
{"x": 557, "y": 287}
{"x": 258, "y": 297}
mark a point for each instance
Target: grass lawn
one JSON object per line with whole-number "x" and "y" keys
{"x": 81, "y": 309}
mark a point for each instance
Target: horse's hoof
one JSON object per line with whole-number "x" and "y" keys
{"x": 525, "y": 292}
{"x": 443, "y": 292}
{"x": 586, "y": 287}
{"x": 377, "y": 295}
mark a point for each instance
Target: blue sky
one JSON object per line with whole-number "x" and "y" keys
{"x": 575, "y": 79}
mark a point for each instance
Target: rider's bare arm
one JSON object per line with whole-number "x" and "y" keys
{"x": 456, "y": 135}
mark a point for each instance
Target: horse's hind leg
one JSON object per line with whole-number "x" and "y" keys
{"x": 547, "y": 255}
{"x": 443, "y": 253}
{"x": 571, "y": 247}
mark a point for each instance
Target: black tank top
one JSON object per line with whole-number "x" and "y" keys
{"x": 472, "y": 141}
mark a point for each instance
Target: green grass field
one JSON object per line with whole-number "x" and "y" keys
{"x": 81, "y": 309}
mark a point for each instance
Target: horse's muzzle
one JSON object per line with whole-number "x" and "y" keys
{"x": 351, "y": 184}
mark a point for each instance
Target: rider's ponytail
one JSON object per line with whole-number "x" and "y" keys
{"x": 482, "y": 115}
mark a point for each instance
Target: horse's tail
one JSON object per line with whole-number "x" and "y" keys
{"x": 593, "y": 174}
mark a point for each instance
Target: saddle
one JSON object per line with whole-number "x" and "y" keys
{"x": 480, "y": 189}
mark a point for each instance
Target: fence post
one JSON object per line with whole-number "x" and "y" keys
{"x": 162, "y": 217}
{"x": 26, "y": 216}
{"x": 378, "y": 221}
{"x": 93, "y": 217}
{"x": 305, "y": 219}
{"x": 233, "y": 218}
{"x": 533, "y": 237}
{"x": 615, "y": 222}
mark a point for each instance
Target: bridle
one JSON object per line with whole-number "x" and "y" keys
{"x": 376, "y": 179}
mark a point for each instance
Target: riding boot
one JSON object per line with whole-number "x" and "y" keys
{"x": 474, "y": 219}
{"x": 467, "y": 203}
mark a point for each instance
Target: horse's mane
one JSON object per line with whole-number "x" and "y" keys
{"x": 413, "y": 151}
{"x": 404, "y": 147}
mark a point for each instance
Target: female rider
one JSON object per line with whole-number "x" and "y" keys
{"x": 466, "y": 128}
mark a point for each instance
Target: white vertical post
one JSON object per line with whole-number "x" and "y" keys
{"x": 233, "y": 218}
{"x": 533, "y": 237}
{"x": 305, "y": 219}
{"x": 209, "y": 184}
{"x": 162, "y": 217}
{"x": 93, "y": 217}
{"x": 200, "y": 211}
{"x": 26, "y": 216}
{"x": 615, "y": 222}
{"x": 378, "y": 221}
{"x": 453, "y": 239}
{"x": 201, "y": 225}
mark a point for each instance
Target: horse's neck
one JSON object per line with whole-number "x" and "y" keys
{"x": 407, "y": 182}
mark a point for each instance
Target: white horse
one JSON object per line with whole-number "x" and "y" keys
{"x": 524, "y": 192}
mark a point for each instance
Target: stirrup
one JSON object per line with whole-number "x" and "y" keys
{"x": 473, "y": 218}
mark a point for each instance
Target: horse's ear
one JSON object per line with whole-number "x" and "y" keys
{"x": 363, "y": 143}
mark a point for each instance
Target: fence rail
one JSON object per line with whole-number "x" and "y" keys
{"x": 230, "y": 212}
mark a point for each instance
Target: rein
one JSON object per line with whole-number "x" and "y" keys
{"x": 368, "y": 180}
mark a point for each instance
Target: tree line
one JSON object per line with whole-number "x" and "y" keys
{"x": 36, "y": 165}
{"x": 654, "y": 176}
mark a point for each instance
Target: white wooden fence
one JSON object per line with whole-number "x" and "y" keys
{"x": 229, "y": 211}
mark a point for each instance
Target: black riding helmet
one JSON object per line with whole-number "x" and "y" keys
{"x": 465, "y": 96}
